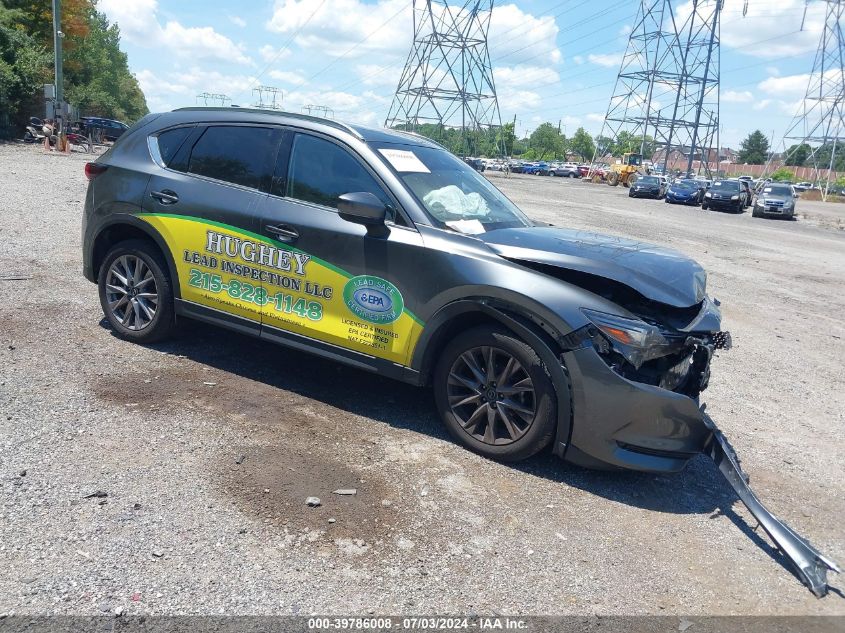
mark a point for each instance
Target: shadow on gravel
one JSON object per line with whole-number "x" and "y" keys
{"x": 699, "y": 489}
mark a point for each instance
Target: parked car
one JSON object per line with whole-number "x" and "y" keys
{"x": 567, "y": 170}
{"x": 728, "y": 195}
{"x": 749, "y": 191}
{"x": 476, "y": 163}
{"x": 536, "y": 169}
{"x": 583, "y": 170}
{"x": 380, "y": 249}
{"x": 647, "y": 187}
{"x": 684, "y": 192}
{"x": 775, "y": 199}
{"x": 802, "y": 186}
{"x": 517, "y": 167}
{"x": 110, "y": 129}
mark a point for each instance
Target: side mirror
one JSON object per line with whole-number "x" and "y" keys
{"x": 363, "y": 207}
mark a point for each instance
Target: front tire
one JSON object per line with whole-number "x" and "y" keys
{"x": 136, "y": 292}
{"x": 495, "y": 395}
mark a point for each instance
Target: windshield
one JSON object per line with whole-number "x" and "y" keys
{"x": 726, "y": 185}
{"x": 455, "y": 195}
{"x": 778, "y": 191}
{"x": 684, "y": 184}
{"x": 650, "y": 180}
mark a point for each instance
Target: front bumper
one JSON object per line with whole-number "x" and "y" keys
{"x": 619, "y": 423}
{"x": 721, "y": 203}
{"x": 644, "y": 193}
{"x": 810, "y": 565}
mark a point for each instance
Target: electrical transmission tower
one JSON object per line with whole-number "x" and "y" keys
{"x": 820, "y": 121}
{"x": 319, "y": 110}
{"x": 448, "y": 78}
{"x": 211, "y": 98}
{"x": 666, "y": 95}
{"x": 269, "y": 97}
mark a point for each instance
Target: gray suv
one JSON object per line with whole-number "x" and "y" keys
{"x": 382, "y": 250}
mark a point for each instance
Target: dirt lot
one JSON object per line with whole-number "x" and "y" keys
{"x": 208, "y": 445}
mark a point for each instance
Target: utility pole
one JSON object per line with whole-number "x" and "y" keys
{"x": 57, "y": 48}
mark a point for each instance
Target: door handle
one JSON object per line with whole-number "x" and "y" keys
{"x": 284, "y": 232}
{"x": 165, "y": 196}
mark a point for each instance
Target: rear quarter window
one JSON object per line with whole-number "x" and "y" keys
{"x": 170, "y": 141}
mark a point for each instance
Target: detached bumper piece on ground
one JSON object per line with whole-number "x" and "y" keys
{"x": 810, "y": 565}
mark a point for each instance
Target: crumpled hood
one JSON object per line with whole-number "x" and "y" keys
{"x": 660, "y": 274}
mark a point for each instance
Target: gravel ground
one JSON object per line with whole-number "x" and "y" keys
{"x": 207, "y": 447}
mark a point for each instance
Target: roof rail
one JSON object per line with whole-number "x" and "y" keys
{"x": 293, "y": 115}
{"x": 416, "y": 135}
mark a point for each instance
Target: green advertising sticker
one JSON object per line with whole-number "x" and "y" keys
{"x": 373, "y": 299}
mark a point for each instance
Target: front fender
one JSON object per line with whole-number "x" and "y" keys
{"x": 534, "y": 331}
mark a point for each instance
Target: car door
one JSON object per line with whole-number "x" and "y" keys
{"x": 203, "y": 199}
{"x": 329, "y": 280}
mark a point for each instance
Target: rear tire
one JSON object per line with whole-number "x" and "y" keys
{"x": 613, "y": 179}
{"x": 510, "y": 425}
{"x": 704, "y": 206}
{"x": 136, "y": 292}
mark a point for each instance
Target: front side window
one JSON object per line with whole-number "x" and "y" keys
{"x": 454, "y": 195}
{"x": 320, "y": 172}
{"x": 240, "y": 155}
{"x": 650, "y": 180}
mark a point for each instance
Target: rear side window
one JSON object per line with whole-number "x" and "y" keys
{"x": 170, "y": 141}
{"x": 321, "y": 172}
{"x": 240, "y": 155}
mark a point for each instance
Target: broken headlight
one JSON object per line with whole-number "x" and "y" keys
{"x": 634, "y": 339}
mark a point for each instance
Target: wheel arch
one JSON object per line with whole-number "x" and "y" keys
{"x": 128, "y": 228}
{"x": 465, "y": 314}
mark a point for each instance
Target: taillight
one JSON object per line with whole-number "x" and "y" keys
{"x": 92, "y": 170}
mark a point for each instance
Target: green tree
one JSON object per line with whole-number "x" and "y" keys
{"x": 604, "y": 145}
{"x": 96, "y": 78}
{"x": 546, "y": 141}
{"x": 505, "y": 138}
{"x": 796, "y": 155}
{"x": 823, "y": 156}
{"x": 754, "y": 149}
{"x": 783, "y": 175}
{"x": 582, "y": 144}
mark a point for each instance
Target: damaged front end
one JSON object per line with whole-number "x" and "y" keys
{"x": 663, "y": 366}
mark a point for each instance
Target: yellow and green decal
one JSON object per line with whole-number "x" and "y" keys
{"x": 252, "y": 276}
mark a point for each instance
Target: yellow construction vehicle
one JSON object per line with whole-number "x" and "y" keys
{"x": 625, "y": 172}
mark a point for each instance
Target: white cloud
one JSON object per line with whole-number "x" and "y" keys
{"x": 735, "y": 96}
{"x": 524, "y": 76}
{"x": 271, "y": 53}
{"x": 139, "y": 23}
{"x": 385, "y": 28}
{"x": 578, "y": 59}
{"x": 790, "y": 85}
{"x": 608, "y": 60}
{"x": 596, "y": 117}
{"x": 288, "y": 77}
{"x": 378, "y": 76}
{"x": 335, "y": 26}
{"x": 237, "y": 21}
{"x": 762, "y": 104}
{"x": 769, "y": 29}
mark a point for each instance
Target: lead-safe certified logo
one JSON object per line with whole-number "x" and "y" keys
{"x": 373, "y": 299}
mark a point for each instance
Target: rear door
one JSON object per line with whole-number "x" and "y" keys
{"x": 203, "y": 201}
{"x": 328, "y": 280}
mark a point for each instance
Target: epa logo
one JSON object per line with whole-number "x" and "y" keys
{"x": 373, "y": 299}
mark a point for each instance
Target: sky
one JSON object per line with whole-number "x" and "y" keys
{"x": 553, "y": 60}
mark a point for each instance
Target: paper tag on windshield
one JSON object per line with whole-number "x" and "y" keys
{"x": 403, "y": 160}
{"x": 469, "y": 227}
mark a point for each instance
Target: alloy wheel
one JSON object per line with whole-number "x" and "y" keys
{"x": 131, "y": 292}
{"x": 491, "y": 395}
